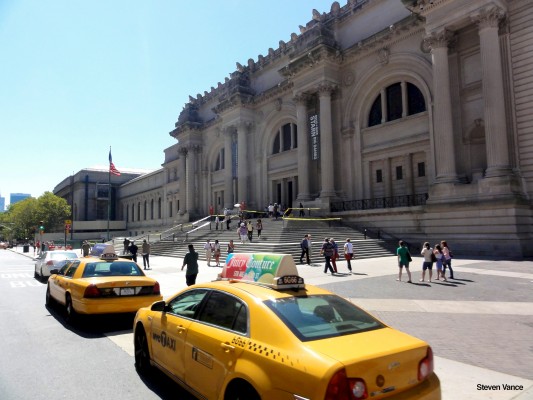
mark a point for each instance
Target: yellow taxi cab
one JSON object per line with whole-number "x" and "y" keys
{"x": 259, "y": 332}
{"x": 101, "y": 283}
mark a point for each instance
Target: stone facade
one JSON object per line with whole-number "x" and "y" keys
{"x": 413, "y": 117}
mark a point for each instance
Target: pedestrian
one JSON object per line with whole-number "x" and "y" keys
{"x": 133, "y": 250}
{"x": 427, "y": 253}
{"x": 191, "y": 261}
{"x": 216, "y": 248}
{"x": 126, "y": 245}
{"x": 348, "y": 253}
{"x": 250, "y": 230}
{"x": 404, "y": 257}
{"x": 439, "y": 255}
{"x": 228, "y": 221}
{"x": 302, "y": 211}
{"x": 447, "y": 263}
{"x": 208, "y": 252}
{"x": 276, "y": 208}
{"x": 231, "y": 247}
{"x": 145, "y": 248}
{"x": 327, "y": 251}
{"x": 259, "y": 227}
{"x": 335, "y": 254}
{"x": 242, "y": 232}
{"x": 270, "y": 210}
{"x": 217, "y": 222}
{"x": 85, "y": 248}
{"x": 304, "y": 245}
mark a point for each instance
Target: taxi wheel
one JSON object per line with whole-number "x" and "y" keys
{"x": 142, "y": 355}
{"x": 241, "y": 390}
{"x": 48, "y": 298}
{"x": 71, "y": 313}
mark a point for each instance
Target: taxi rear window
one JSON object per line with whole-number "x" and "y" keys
{"x": 115, "y": 268}
{"x": 322, "y": 316}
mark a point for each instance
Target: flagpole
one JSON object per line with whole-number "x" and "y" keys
{"x": 109, "y": 197}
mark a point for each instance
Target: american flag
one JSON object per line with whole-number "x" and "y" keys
{"x": 112, "y": 168}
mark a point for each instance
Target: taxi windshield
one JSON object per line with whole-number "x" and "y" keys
{"x": 322, "y": 316}
{"x": 111, "y": 268}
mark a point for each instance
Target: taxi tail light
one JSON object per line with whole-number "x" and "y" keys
{"x": 92, "y": 291}
{"x": 49, "y": 262}
{"x": 425, "y": 367}
{"x": 341, "y": 387}
{"x": 156, "y": 289}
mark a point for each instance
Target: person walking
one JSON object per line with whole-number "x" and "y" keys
{"x": 335, "y": 254}
{"x": 348, "y": 253}
{"x": 216, "y": 248}
{"x": 447, "y": 262}
{"x": 250, "y": 230}
{"x": 133, "y": 250}
{"x": 217, "y": 222}
{"x": 427, "y": 253}
{"x": 404, "y": 258}
{"x": 228, "y": 221}
{"x": 85, "y": 248}
{"x": 231, "y": 247}
{"x": 242, "y": 232}
{"x": 304, "y": 245}
{"x": 191, "y": 261}
{"x": 327, "y": 251}
{"x": 126, "y": 245}
{"x": 259, "y": 228}
{"x": 439, "y": 255}
{"x": 302, "y": 211}
{"x": 145, "y": 249}
{"x": 208, "y": 252}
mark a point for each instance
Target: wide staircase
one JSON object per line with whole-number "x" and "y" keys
{"x": 278, "y": 236}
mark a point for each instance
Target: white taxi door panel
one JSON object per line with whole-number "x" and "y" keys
{"x": 214, "y": 343}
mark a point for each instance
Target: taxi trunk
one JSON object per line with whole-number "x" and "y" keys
{"x": 121, "y": 295}
{"x": 388, "y": 361}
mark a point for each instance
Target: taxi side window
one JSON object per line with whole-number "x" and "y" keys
{"x": 225, "y": 311}
{"x": 72, "y": 269}
{"x": 187, "y": 304}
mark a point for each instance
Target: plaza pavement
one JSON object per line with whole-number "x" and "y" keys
{"x": 480, "y": 325}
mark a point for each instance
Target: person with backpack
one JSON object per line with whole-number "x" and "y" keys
{"x": 327, "y": 251}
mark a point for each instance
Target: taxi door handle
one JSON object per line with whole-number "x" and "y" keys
{"x": 181, "y": 329}
{"x": 227, "y": 347}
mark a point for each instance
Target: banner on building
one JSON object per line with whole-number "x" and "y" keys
{"x": 314, "y": 133}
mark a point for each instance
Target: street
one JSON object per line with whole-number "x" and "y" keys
{"x": 479, "y": 325}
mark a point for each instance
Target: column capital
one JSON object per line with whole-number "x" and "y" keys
{"x": 326, "y": 88}
{"x": 440, "y": 39}
{"x": 489, "y": 17}
{"x": 182, "y": 151}
{"x": 301, "y": 98}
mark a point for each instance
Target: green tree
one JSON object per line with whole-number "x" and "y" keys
{"x": 22, "y": 219}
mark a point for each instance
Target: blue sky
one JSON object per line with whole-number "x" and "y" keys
{"x": 77, "y": 77}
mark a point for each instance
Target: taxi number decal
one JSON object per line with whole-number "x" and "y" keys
{"x": 164, "y": 340}
{"x": 239, "y": 341}
{"x": 202, "y": 357}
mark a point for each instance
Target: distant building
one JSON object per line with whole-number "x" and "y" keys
{"x": 16, "y": 197}
{"x": 2, "y": 204}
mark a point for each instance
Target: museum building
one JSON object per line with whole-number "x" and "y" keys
{"x": 413, "y": 117}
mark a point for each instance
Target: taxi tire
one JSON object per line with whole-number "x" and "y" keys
{"x": 241, "y": 390}
{"x": 48, "y": 299}
{"x": 71, "y": 315}
{"x": 142, "y": 354}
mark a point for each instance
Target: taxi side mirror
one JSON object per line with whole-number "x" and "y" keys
{"x": 54, "y": 272}
{"x": 159, "y": 306}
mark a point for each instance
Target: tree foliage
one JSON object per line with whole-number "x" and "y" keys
{"x": 22, "y": 219}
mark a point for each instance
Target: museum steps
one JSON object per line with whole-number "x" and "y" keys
{"x": 278, "y": 236}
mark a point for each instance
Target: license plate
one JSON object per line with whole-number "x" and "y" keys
{"x": 127, "y": 291}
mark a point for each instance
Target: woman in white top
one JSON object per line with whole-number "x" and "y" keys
{"x": 348, "y": 253}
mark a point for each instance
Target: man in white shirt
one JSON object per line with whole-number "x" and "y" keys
{"x": 348, "y": 253}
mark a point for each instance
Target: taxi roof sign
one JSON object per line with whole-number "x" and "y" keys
{"x": 275, "y": 270}
{"x": 104, "y": 251}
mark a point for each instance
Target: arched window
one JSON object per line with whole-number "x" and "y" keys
{"x": 152, "y": 209}
{"x": 132, "y": 212}
{"x": 139, "y": 211}
{"x": 159, "y": 208}
{"x": 286, "y": 138}
{"x": 144, "y": 210}
{"x": 395, "y": 96}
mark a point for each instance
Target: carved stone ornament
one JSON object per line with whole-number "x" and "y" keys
{"x": 384, "y": 55}
{"x": 444, "y": 38}
{"x": 489, "y": 17}
{"x": 348, "y": 78}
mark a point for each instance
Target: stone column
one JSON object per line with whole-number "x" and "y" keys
{"x": 442, "y": 108}
{"x": 303, "y": 147}
{"x": 228, "y": 169}
{"x": 242, "y": 164}
{"x": 409, "y": 175}
{"x": 387, "y": 177}
{"x": 496, "y": 135}
{"x": 182, "y": 171}
{"x": 326, "y": 141}
{"x": 384, "y": 110}
{"x": 405, "y": 104}
{"x": 191, "y": 179}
